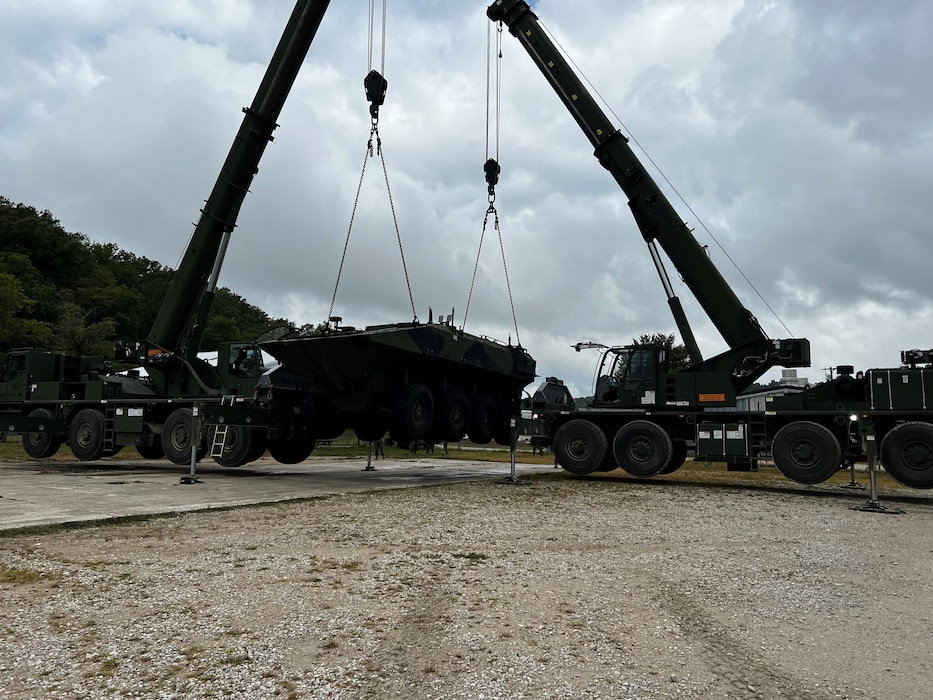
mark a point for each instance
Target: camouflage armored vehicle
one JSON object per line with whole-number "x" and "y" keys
{"x": 427, "y": 381}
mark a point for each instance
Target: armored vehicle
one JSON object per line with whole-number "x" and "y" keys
{"x": 428, "y": 381}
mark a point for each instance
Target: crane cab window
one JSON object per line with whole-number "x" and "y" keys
{"x": 245, "y": 361}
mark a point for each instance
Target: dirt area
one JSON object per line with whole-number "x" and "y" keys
{"x": 696, "y": 587}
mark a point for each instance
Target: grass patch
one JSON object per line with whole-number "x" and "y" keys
{"x": 12, "y": 574}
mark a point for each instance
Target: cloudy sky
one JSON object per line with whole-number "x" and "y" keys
{"x": 800, "y": 132}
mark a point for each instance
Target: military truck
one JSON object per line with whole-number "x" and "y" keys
{"x": 54, "y": 398}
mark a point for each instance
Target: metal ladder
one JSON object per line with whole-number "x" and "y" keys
{"x": 110, "y": 433}
{"x": 220, "y": 431}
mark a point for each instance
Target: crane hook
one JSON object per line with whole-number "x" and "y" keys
{"x": 375, "y": 86}
{"x": 492, "y": 170}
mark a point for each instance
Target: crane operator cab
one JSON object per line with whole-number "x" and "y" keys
{"x": 628, "y": 375}
{"x": 245, "y": 361}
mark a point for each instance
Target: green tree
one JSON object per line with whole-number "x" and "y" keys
{"x": 679, "y": 359}
{"x": 16, "y": 331}
{"x": 76, "y": 336}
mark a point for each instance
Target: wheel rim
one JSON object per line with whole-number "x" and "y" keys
{"x": 181, "y": 437}
{"x": 805, "y": 453}
{"x": 641, "y": 449}
{"x": 578, "y": 447}
{"x": 85, "y": 434}
{"x": 917, "y": 456}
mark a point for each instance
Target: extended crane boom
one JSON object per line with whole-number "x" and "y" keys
{"x": 180, "y": 322}
{"x": 751, "y": 352}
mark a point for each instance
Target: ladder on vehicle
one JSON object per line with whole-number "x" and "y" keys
{"x": 110, "y": 432}
{"x": 220, "y": 431}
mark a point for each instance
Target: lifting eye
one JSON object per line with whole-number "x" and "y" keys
{"x": 651, "y": 200}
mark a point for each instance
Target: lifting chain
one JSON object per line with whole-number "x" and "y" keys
{"x": 375, "y": 86}
{"x": 492, "y": 170}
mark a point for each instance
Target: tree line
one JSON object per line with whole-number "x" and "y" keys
{"x": 62, "y": 292}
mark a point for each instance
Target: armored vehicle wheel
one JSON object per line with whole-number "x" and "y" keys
{"x": 150, "y": 451}
{"x": 907, "y": 454}
{"x": 806, "y": 452}
{"x": 237, "y": 446}
{"x": 643, "y": 448}
{"x": 370, "y": 428}
{"x": 327, "y": 421}
{"x": 580, "y": 447}
{"x": 506, "y": 411}
{"x": 177, "y": 438}
{"x": 41, "y": 445}
{"x": 86, "y": 435}
{"x": 258, "y": 441}
{"x": 413, "y": 412}
{"x": 290, "y": 451}
{"x": 452, "y": 417}
{"x": 483, "y": 420}
{"x": 678, "y": 457}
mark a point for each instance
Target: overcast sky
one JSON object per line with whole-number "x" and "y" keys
{"x": 799, "y": 132}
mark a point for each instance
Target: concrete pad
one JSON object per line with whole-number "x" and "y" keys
{"x": 43, "y": 493}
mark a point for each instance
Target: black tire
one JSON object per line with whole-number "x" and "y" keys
{"x": 41, "y": 445}
{"x": 483, "y": 420}
{"x": 177, "y": 438}
{"x": 413, "y": 411}
{"x": 507, "y": 410}
{"x": 907, "y": 454}
{"x": 643, "y": 448}
{"x": 86, "y": 435}
{"x": 806, "y": 452}
{"x": 327, "y": 420}
{"x": 151, "y": 451}
{"x": 678, "y": 457}
{"x": 453, "y": 416}
{"x": 258, "y": 441}
{"x": 369, "y": 428}
{"x": 237, "y": 446}
{"x": 580, "y": 447}
{"x": 290, "y": 451}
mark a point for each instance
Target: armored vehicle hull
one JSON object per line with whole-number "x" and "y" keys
{"x": 419, "y": 381}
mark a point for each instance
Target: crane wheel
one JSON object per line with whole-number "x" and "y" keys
{"x": 86, "y": 435}
{"x": 41, "y": 445}
{"x": 678, "y": 457}
{"x": 580, "y": 447}
{"x": 806, "y": 452}
{"x": 151, "y": 451}
{"x": 643, "y": 448}
{"x": 237, "y": 446}
{"x": 258, "y": 441}
{"x": 907, "y": 454}
{"x": 177, "y": 438}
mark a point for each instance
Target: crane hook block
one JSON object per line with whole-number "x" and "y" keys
{"x": 375, "y": 86}
{"x": 492, "y": 170}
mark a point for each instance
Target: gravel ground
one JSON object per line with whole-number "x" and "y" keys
{"x": 565, "y": 588}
